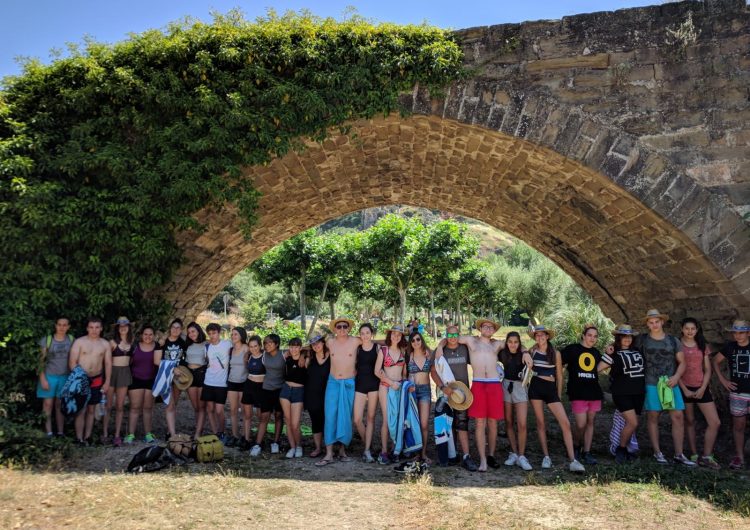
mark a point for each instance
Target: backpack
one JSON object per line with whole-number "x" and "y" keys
{"x": 76, "y": 392}
{"x": 209, "y": 449}
{"x": 181, "y": 445}
{"x": 48, "y": 341}
{"x": 153, "y": 458}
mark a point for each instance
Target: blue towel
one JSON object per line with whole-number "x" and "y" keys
{"x": 403, "y": 420}
{"x": 339, "y": 403}
{"x": 76, "y": 392}
{"x": 163, "y": 382}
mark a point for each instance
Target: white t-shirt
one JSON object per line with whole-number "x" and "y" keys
{"x": 218, "y": 363}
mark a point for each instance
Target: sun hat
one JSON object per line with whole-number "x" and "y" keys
{"x": 739, "y": 326}
{"x": 481, "y": 321}
{"x": 122, "y": 321}
{"x": 541, "y": 327}
{"x": 314, "y": 339}
{"x": 623, "y": 329}
{"x": 397, "y": 327}
{"x": 461, "y": 398}
{"x": 182, "y": 377}
{"x": 335, "y": 321}
{"x": 655, "y": 313}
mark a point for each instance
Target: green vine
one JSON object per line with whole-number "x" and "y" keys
{"x": 104, "y": 155}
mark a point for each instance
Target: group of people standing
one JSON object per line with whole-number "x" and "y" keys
{"x": 339, "y": 378}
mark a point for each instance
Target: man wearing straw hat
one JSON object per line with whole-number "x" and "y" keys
{"x": 737, "y": 355}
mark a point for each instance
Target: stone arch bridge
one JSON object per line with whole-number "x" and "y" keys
{"x": 616, "y": 143}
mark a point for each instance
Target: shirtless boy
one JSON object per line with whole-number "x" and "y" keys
{"x": 488, "y": 406}
{"x": 94, "y": 354}
{"x": 339, "y": 399}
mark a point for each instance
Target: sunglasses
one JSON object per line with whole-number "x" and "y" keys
{"x": 416, "y": 339}
{"x": 452, "y": 335}
{"x": 342, "y": 326}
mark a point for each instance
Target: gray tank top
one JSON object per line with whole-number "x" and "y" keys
{"x": 237, "y": 368}
{"x": 275, "y": 365}
{"x": 196, "y": 354}
{"x": 458, "y": 360}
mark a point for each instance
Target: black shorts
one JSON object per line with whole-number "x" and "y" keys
{"x": 707, "y": 397}
{"x": 366, "y": 384}
{"x": 141, "y": 384}
{"x": 199, "y": 374}
{"x": 269, "y": 400}
{"x": 541, "y": 389}
{"x": 235, "y": 387}
{"x": 252, "y": 393}
{"x": 625, "y": 402}
{"x": 461, "y": 420}
{"x": 215, "y": 394}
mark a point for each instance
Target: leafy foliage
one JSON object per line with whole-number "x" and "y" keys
{"x": 106, "y": 154}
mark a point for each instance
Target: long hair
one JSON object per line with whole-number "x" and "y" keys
{"x": 201, "y": 334}
{"x": 257, "y": 339}
{"x": 505, "y": 354}
{"x": 402, "y": 344}
{"x": 410, "y": 348}
{"x": 116, "y": 334}
{"x": 550, "y": 350}
{"x": 699, "y": 338}
{"x": 243, "y": 334}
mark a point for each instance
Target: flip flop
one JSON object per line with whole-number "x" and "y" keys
{"x": 324, "y": 462}
{"x": 315, "y": 454}
{"x": 344, "y": 459}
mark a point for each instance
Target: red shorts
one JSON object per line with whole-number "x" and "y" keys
{"x": 488, "y": 400}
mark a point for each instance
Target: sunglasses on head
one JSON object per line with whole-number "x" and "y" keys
{"x": 452, "y": 335}
{"x": 342, "y": 326}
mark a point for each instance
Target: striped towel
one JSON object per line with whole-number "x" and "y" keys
{"x": 163, "y": 382}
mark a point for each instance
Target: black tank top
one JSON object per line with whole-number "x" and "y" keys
{"x": 294, "y": 372}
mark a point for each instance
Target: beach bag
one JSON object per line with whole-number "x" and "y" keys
{"x": 75, "y": 393}
{"x": 153, "y": 458}
{"x": 209, "y": 449}
{"x": 181, "y": 445}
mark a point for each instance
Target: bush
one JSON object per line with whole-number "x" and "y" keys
{"x": 286, "y": 331}
{"x": 569, "y": 321}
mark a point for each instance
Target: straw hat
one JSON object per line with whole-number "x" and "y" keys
{"x": 481, "y": 321}
{"x": 182, "y": 377}
{"x": 399, "y": 328}
{"x": 623, "y": 329}
{"x": 314, "y": 339}
{"x": 739, "y": 326}
{"x": 122, "y": 321}
{"x": 655, "y": 313}
{"x": 335, "y": 321}
{"x": 461, "y": 398}
{"x": 541, "y": 327}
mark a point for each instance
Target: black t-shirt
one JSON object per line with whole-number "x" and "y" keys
{"x": 628, "y": 374}
{"x": 173, "y": 350}
{"x": 512, "y": 364}
{"x": 583, "y": 379}
{"x": 738, "y": 360}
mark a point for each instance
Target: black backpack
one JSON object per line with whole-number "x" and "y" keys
{"x": 154, "y": 458}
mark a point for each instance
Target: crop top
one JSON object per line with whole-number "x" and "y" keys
{"x": 542, "y": 365}
{"x": 255, "y": 366}
{"x": 294, "y": 372}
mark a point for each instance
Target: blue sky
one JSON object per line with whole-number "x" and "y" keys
{"x": 31, "y": 28}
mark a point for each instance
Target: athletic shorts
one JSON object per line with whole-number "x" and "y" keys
{"x": 707, "y": 397}
{"x": 95, "y": 384}
{"x": 583, "y": 406}
{"x": 141, "y": 384}
{"x": 488, "y": 400}
{"x": 625, "y": 402}
{"x": 654, "y": 405}
{"x": 269, "y": 400}
{"x": 235, "y": 387}
{"x": 251, "y": 393}
{"x": 121, "y": 377}
{"x": 543, "y": 390}
{"x": 422, "y": 393}
{"x": 514, "y": 392}
{"x": 56, "y": 384}
{"x": 199, "y": 374}
{"x": 739, "y": 404}
{"x": 293, "y": 394}
{"x": 214, "y": 394}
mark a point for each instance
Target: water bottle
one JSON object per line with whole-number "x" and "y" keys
{"x": 101, "y": 408}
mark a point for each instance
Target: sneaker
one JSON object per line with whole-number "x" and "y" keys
{"x": 290, "y": 453}
{"x": 82, "y": 443}
{"x": 546, "y": 462}
{"x": 709, "y": 462}
{"x": 383, "y": 459}
{"x": 298, "y": 452}
{"x": 492, "y": 462}
{"x": 117, "y": 441}
{"x": 274, "y": 448}
{"x": 512, "y": 459}
{"x": 577, "y": 452}
{"x": 632, "y": 456}
{"x": 394, "y": 458}
{"x": 413, "y": 468}
{"x": 367, "y": 457}
{"x": 659, "y": 457}
{"x": 456, "y": 460}
{"x": 468, "y": 464}
{"x": 524, "y": 463}
{"x": 255, "y": 451}
{"x": 621, "y": 456}
{"x": 685, "y": 461}
{"x": 50, "y": 434}
{"x": 576, "y": 467}
{"x": 694, "y": 458}
{"x": 589, "y": 459}
{"x": 130, "y": 439}
{"x": 243, "y": 445}
{"x": 149, "y": 438}
{"x": 736, "y": 463}
{"x": 230, "y": 441}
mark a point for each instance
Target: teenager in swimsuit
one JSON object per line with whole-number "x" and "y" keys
{"x": 122, "y": 349}
{"x": 195, "y": 357}
{"x": 390, "y": 367}
{"x": 419, "y": 364}
{"x": 366, "y": 386}
{"x": 252, "y": 388}
{"x": 546, "y": 387}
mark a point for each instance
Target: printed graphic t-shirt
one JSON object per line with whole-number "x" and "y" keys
{"x": 659, "y": 356}
{"x": 173, "y": 350}
{"x": 627, "y": 376}
{"x": 218, "y": 363}
{"x": 738, "y": 359}
{"x": 583, "y": 379}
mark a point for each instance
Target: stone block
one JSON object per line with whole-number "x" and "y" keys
{"x": 600, "y": 60}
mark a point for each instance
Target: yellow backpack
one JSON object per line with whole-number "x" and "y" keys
{"x": 209, "y": 449}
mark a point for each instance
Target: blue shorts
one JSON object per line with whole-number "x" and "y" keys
{"x": 652, "y": 399}
{"x": 423, "y": 393}
{"x": 56, "y": 383}
{"x": 293, "y": 394}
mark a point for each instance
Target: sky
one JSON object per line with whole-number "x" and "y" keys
{"x": 32, "y": 28}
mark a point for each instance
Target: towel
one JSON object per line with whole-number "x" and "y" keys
{"x": 339, "y": 402}
{"x": 163, "y": 382}
{"x": 665, "y": 392}
{"x": 75, "y": 393}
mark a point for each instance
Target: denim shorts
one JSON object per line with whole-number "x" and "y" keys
{"x": 293, "y": 394}
{"x": 423, "y": 393}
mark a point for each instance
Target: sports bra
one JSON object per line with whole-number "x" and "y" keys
{"x": 255, "y": 366}
{"x": 415, "y": 369}
{"x": 388, "y": 360}
{"x": 117, "y": 352}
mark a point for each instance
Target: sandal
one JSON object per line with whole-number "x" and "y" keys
{"x": 344, "y": 459}
{"x": 315, "y": 454}
{"x": 324, "y": 462}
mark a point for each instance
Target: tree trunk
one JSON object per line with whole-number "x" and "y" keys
{"x": 317, "y": 309}
{"x": 458, "y": 315}
{"x": 433, "y": 322}
{"x": 402, "y": 307}
{"x": 302, "y": 301}
{"x": 332, "y": 308}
